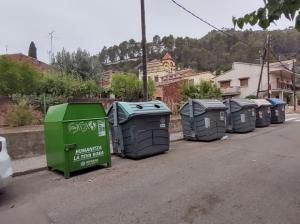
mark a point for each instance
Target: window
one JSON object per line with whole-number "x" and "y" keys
{"x": 156, "y": 78}
{"x": 225, "y": 84}
{"x": 244, "y": 82}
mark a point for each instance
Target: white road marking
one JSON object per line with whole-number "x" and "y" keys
{"x": 290, "y": 119}
{"x": 297, "y": 120}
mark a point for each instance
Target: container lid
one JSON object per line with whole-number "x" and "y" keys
{"x": 261, "y": 102}
{"x": 153, "y": 107}
{"x": 276, "y": 101}
{"x": 243, "y": 102}
{"x": 132, "y": 109}
{"x": 74, "y": 111}
{"x": 207, "y": 104}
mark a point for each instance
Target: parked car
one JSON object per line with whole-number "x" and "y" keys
{"x": 5, "y": 164}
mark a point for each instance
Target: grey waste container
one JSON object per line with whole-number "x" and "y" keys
{"x": 203, "y": 119}
{"x": 263, "y": 112}
{"x": 139, "y": 129}
{"x": 241, "y": 115}
{"x": 277, "y": 110}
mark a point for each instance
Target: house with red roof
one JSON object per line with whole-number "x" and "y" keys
{"x": 39, "y": 65}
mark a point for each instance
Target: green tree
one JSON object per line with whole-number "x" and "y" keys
{"x": 79, "y": 63}
{"x": 168, "y": 43}
{"x": 32, "y": 50}
{"x": 128, "y": 87}
{"x": 123, "y": 50}
{"x": 66, "y": 85}
{"x": 271, "y": 12}
{"x": 18, "y": 77}
{"x": 211, "y": 52}
{"x": 103, "y": 56}
{"x": 204, "y": 90}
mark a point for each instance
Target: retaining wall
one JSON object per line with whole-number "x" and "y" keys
{"x": 25, "y": 142}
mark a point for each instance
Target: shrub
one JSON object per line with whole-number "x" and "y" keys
{"x": 129, "y": 88}
{"x": 18, "y": 77}
{"x": 205, "y": 90}
{"x": 20, "y": 115}
{"x": 251, "y": 97}
{"x": 39, "y": 102}
{"x": 57, "y": 84}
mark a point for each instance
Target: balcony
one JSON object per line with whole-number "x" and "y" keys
{"x": 231, "y": 91}
{"x": 286, "y": 86}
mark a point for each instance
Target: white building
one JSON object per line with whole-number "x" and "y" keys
{"x": 242, "y": 80}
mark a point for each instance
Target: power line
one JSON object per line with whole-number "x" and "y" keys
{"x": 208, "y": 23}
{"x": 202, "y": 20}
{"x": 276, "y": 58}
{"x": 224, "y": 32}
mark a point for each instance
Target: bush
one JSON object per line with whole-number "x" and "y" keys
{"x": 18, "y": 77}
{"x": 20, "y": 115}
{"x": 205, "y": 90}
{"x": 129, "y": 88}
{"x": 251, "y": 97}
{"x": 39, "y": 102}
{"x": 57, "y": 84}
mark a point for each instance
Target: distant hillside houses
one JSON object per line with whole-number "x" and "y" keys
{"x": 170, "y": 80}
{"x": 165, "y": 71}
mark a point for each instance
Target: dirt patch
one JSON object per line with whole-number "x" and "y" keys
{"x": 206, "y": 204}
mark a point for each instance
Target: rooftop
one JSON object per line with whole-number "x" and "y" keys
{"x": 42, "y": 66}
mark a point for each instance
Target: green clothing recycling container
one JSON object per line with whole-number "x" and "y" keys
{"x": 76, "y": 137}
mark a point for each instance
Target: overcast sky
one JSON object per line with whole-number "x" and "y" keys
{"x": 92, "y": 24}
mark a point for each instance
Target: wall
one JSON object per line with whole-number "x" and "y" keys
{"x": 244, "y": 70}
{"x": 175, "y": 124}
{"x": 26, "y": 142}
{"x": 203, "y": 76}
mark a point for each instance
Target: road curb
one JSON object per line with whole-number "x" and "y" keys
{"x": 22, "y": 173}
{"x": 35, "y": 170}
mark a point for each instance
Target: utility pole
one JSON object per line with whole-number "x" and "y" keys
{"x": 262, "y": 61}
{"x": 294, "y": 86}
{"x": 144, "y": 57}
{"x": 6, "y": 48}
{"x": 51, "y": 46}
{"x": 268, "y": 63}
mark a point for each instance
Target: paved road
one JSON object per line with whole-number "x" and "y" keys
{"x": 246, "y": 179}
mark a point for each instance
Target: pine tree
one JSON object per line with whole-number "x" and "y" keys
{"x": 32, "y": 50}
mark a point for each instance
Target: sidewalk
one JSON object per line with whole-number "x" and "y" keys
{"x": 29, "y": 165}
{"x": 38, "y": 163}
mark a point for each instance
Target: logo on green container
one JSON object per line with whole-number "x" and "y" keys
{"x": 82, "y": 126}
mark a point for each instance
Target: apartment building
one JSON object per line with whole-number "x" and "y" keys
{"x": 242, "y": 80}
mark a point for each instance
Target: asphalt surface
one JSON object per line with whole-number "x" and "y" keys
{"x": 245, "y": 179}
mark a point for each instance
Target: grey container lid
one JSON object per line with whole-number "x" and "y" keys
{"x": 208, "y": 104}
{"x": 243, "y": 102}
{"x": 133, "y": 109}
{"x": 261, "y": 102}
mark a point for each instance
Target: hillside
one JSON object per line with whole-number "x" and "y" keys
{"x": 215, "y": 51}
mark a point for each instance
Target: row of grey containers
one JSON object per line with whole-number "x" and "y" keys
{"x": 141, "y": 129}
{"x": 207, "y": 120}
